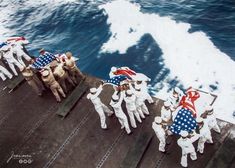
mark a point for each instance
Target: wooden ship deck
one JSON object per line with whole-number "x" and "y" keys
{"x": 31, "y": 128}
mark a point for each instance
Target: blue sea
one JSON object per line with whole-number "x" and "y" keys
{"x": 85, "y": 26}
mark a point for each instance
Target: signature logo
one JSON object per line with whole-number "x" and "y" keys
{"x": 22, "y": 159}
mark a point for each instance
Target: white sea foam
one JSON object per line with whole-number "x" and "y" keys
{"x": 8, "y": 8}
{"x": 191, "y": 57}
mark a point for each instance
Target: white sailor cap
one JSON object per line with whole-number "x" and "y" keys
{"x": 199, "y": 120}
{"x": 177, "y": 90}
{"x": 115, "y": 97}
{"x": 158, "y": 120}
{"x": 45, "y": 72}
{"x": 209, "y": 108}
{"x": 141, "y": 77}
{"x": 167, "y": 104}
{"x": 184, "y": 133}
{"x": 129, "y": 92}
{"x": 113, "y": 69}
{"x": 93, "y": 90}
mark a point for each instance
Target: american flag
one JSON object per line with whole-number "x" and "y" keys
{"x": 184, "y": 120}
{"x": 125, "y": 71}
{"x": 43, "y": 60}
{"x": 116, "y": 80}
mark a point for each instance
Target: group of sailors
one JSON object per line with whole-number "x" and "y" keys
{"x": 51, "y": 70}
{"x": 59, "y": 73}
{"x": 8, "y": 50}
{"x": 163, "y": 126}
{"x": 134, "y": 93}
{"x": 178, "y": 114}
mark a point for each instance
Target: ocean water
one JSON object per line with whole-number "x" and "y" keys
{"x": 176, "y": 42}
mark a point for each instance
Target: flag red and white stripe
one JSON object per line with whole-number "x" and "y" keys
{"x": 125, "y": 71}
{"x": 188, "y": 100}
{"x": 14, "y": 39}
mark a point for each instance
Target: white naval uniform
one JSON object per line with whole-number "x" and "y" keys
{"x": 140, "y": 103}
{"x": 144, "y": 89}
{"x": 165, "y": 114}
{"x": 100, "y": 107}
{"x": 161, "y": 135}
{"x": 132, "y": 110}
{"x": 144, "y": 86}
{"x": 8, "y": 56}
{"x": 4, "y": 72}
{"x": 174, "y": 101}
{"x": 18, "y": 50}
{"x": 117, "y": 106}
{"x": 187, "y": 148}
{"x": 205, "y": 136}
{"x": 212, "y": 123}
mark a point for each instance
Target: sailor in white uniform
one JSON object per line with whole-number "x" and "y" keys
{"x": 140, "y": 101}
{"x": 100, "y": 108}
{"x": 18, "y": 50}
{"x": 187, "y": 147}
{"x": 142, "y": 80}
{"x": 8, "y": 56}
{"x": 211, "y": 119}
{"x": 175, "y": 98}
{"x": 130, "y": 99}
{"x": 166, "y": 112}
{"x": 160, "y": 133}
{"x": 205, "y": 134}
{"x": 116, "y": 103}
